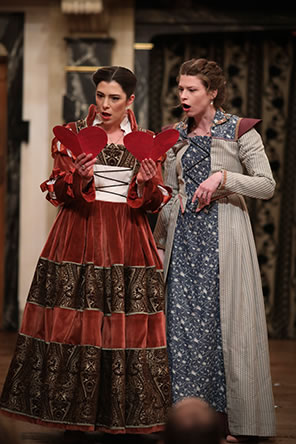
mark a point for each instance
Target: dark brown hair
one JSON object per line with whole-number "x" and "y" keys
{"x": 211, "y": 75}
{"x": 126, "y": 78}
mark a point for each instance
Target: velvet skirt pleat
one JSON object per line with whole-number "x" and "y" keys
{"x": 91, "y": 352}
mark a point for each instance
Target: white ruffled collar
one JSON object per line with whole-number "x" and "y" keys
{"x": 125, "y": 124}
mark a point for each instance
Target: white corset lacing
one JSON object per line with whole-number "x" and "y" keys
{"x": 112, "y": 182}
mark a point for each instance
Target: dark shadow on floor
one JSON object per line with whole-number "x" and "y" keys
{"x": 88, "y": 438}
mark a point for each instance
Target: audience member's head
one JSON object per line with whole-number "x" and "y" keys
{"x": 192, "y": 421}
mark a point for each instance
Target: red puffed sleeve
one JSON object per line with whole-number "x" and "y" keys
{"x": 65, "y": 184}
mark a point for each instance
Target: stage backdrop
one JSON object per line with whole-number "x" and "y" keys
{"x": 12, "y": 38}
{"x": 261, "y": 72}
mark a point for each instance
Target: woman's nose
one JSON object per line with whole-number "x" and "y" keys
{"x": 183, "y": 95}
{"x": 105, "y": 102}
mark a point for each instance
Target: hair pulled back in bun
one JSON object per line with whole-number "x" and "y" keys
{"x": 210, "y": 73}
{"x": 123, "y": 76}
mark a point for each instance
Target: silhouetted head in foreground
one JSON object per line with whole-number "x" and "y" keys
{"x": 192, "y": 421}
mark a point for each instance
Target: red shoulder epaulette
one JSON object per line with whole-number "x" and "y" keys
{"x": 245, "y": 124}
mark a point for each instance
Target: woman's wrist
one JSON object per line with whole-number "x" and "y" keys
{"x": 140, "y": 187}
{"x": 223, "y": 179}
{"x": 140, "y": 181}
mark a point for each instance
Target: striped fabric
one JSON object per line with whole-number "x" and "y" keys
{"x": 250, "y": 405}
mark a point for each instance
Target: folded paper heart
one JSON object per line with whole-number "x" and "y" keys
{"x": 144, "y": 145}
{"x": 90, "y": 140}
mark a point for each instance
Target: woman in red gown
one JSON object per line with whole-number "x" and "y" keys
{"x": 91, "y": 352}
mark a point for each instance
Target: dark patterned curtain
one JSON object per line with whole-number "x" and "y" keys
{"x": 12, "y": 38}
{"x": 261, "y": 74}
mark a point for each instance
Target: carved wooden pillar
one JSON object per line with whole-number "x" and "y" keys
{"x": 3, "y": 149}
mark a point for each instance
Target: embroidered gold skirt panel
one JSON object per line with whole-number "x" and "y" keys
{"x": 91, "y": 352}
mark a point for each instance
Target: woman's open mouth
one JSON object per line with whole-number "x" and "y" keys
{"x": 105, "y": 116}
{"x": 186, "y": 107}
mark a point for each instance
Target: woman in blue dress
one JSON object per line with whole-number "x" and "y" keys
{"x": 216, "y": 326}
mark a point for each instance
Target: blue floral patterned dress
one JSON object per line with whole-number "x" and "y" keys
{"x": 193, "y": 313}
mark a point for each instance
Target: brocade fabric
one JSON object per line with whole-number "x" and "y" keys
{"x": 91, "y": 352}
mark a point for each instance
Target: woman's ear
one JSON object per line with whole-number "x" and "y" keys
{"x": 213, "y": 94}
{"x": 130, "y": 99}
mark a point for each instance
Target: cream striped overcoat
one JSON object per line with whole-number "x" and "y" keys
{"x": 250, "y": 405}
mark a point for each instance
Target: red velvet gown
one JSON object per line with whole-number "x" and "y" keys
{"x": 91, "y": 352}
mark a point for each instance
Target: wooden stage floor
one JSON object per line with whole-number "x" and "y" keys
{"x": 283, "y": 369}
